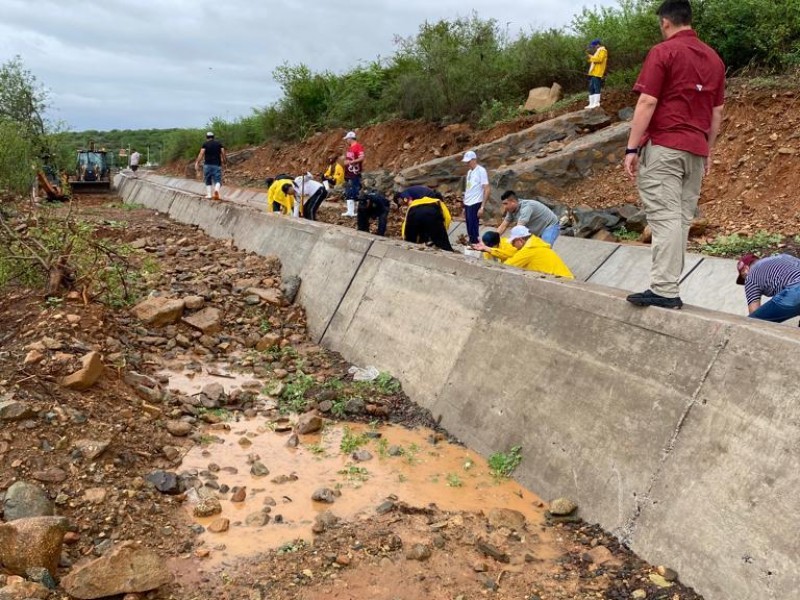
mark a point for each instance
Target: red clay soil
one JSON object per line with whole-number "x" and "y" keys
{"x": 755, "y": 174}
{"x": 391, "y": 146}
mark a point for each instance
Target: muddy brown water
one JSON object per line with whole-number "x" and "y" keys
{"x": 450, "y": 476}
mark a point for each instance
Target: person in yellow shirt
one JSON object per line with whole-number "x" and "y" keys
{"x": 533, "y": 254}
{"x": 426, "y": 222}
{"x": 281, "y": 195}
{"x": 598, "y": 61}
{"x": 334, "y": 174}
{"x": 494, "y": 247}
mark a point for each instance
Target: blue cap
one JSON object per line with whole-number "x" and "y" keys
{"x": 595, "y": 42}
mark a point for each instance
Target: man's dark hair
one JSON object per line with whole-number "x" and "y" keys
{"x": 286, "y": 187}
{"x": 491, "y": 239}
{"x": 677, "y": 12}
{"x": 509, "y": 194}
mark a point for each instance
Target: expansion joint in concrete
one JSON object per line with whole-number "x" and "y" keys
{"x": 627, "y": 530}
{"x": 346, "y": 291}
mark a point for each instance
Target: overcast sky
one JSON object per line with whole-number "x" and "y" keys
{"x": 114, "y": 64}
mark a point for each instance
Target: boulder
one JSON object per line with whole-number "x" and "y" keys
{"x": 448, "y": 172}
{"x": 13, "y": 410}
{"x": 506, "y": 517}
{"x": 550, "y": 175}
{"x": 165, "y": 482}
{"x": 268, "y": 341}
{"x": 309, "y": 423}
{"x": 208, "y": 320}
{"x": 32, "y": 542}
{"x": 543, "y": 97}
{"x": 588, "y": 222}
{"x": 126, "y": 569}
{"x": 23, "y": 590}
{"x": 269, "y": 295}
{"x": 159, "y": 311}
{"x": 87, "y": 375}
{"x": 24, "y": 500}
{"x": 291, "y": 283}
{"x": 562, "y": 507}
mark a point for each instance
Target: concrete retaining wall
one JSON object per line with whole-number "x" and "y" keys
{"x": 677, "y": 430}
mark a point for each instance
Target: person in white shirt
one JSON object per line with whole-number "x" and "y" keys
{"x": 311, "y": 192}
{"x": 135, "y": 156}
{"x": 475, "y": 194}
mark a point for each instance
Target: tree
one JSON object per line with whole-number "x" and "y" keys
{"x": 24, "y": 131}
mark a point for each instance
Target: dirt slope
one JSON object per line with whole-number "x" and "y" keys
{"x": 756, "y": 171}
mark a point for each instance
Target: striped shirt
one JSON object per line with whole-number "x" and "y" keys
{"x": 770, "y": 276}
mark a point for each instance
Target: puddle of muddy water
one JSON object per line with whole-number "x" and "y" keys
{"x": 192, "y": 382}
{"x": 450, "y": 476}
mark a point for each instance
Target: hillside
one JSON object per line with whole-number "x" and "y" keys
{"x": 751, "y": 186}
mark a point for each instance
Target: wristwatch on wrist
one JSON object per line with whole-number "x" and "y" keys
{"x": 631, "y": 151}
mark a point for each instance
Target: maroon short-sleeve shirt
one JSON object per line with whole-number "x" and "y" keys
{"x": 688, "y": 78}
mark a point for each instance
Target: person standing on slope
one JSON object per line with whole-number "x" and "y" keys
{"x": 213, "y": 156}
{"x": 353, "y": 167}
{"x": 598, "y": 61}
{"x": 134, "y": 161}
{"x": 675, "y": 125}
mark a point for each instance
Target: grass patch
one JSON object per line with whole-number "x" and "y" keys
{"x": 316, "y": 449}
{"x": 503, "y": 464}
{"x": 354, "y": 473}
{"x": 731, "y": 245}
{"x": 352, "y": 441}
{"x": 383, "y": 384}
{"x": 293, "y": 396}
{"x": 626, "y": 236}
{"x": 453, "y": 480}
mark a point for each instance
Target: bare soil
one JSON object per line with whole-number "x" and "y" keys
{"x": 368, "y": 555}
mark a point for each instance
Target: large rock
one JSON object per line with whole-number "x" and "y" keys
{"x": 549, "y": 175}
{"x": 309, "y": 423}
{"x": 159, "y": 311}
{"x": 24, "y": 500}
{"x": 448, "y": 172}
{"x": 269, "y": 295}
{"x": 126, "y": 569}
{"x": 506, "y": 517}
{"x": 32, "y": 542}
{"x": 87, "y": 375}
{"x": 588, "y": 221}
{"x": 23, "y": 590}
{"x": 208, "y": 320}
{"x": 13, "y": 410}
{"x": 543, "y": 97}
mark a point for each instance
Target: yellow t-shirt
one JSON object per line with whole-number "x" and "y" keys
{"x": 275, "y": 194}
{"x": 502, "y": 253}
{"x": 335, "y": 172}
{"x": 536, "y": 255}
{"x": 598, "y": 62}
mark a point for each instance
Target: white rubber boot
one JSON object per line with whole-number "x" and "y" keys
{"x": 597, "y": 100}
{"x": 591, "y": 102}
{"x": 351, "y": 209}
{"x": 208, "y": 191}
{"x": 216, "y": 191}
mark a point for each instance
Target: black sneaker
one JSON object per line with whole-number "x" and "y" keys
{"x": 650, "y": 298}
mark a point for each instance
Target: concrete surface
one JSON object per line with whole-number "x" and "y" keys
{"x": 676, "y": 430}
{"x": 583, "y": 257}
{"x": 629, "y": 268}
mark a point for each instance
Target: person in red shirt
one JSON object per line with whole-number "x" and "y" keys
{"x": 353, "y": 166}
{"x": 676, "y": 122}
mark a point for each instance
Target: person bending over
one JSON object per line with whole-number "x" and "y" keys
{"x": 777, "y": 277}
{"x": 426, "y": 222}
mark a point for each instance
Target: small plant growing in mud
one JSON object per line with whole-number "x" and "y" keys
{"x": 352, "y": 441}
{"x": 293, "y": 396}
{"x": 317, "y": 449}
{"x": 503, "y": 464}
{"x": 453, "y": 480}
{"x": 383, "y": 447}
{"x": 290, "y": 547}
{"x": 354, "y": 473}
{"x": 383, "y": 384}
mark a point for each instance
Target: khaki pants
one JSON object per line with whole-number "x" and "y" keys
{"x": 669, "y": 186}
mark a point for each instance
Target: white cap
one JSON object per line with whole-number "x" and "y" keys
{"x": 351, "y": 135}
{"x": 469, "y": 155}
{"x": 518, "y": 231}
{"x": 209, "y": 134}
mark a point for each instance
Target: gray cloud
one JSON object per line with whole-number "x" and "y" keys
{"x": 176, "y": 63}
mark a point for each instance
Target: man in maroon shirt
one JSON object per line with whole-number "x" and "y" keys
{"x": 677, "y": 118}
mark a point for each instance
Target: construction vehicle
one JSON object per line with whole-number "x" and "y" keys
{"x": 92, "y": 171}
